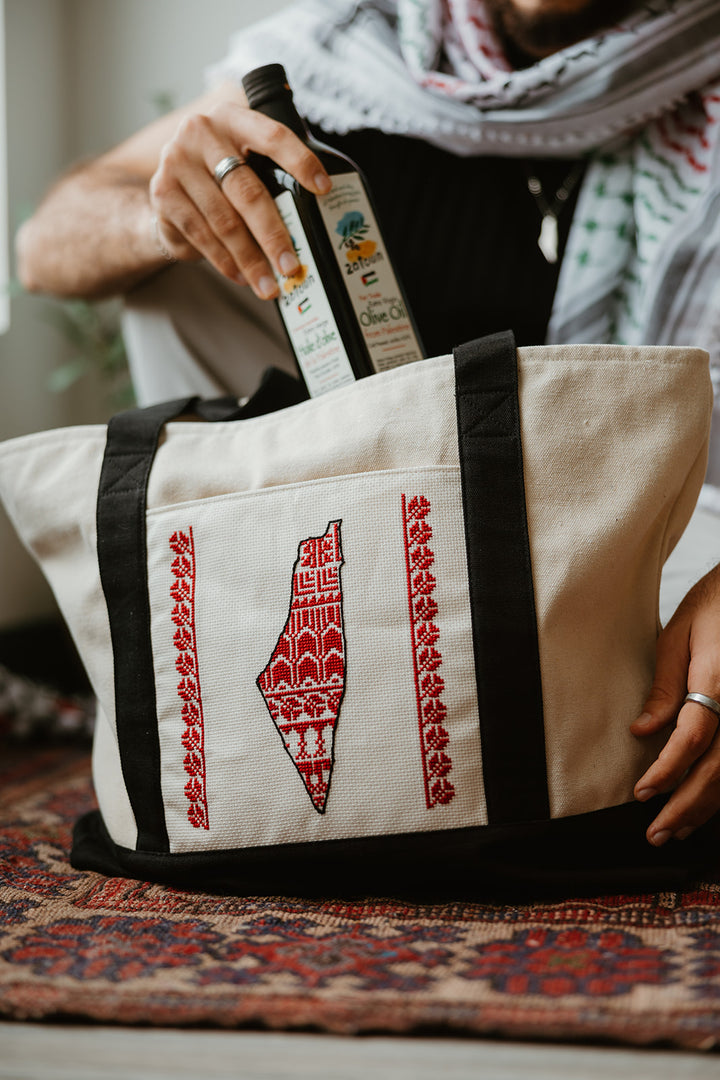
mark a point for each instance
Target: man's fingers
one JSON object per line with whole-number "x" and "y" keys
{"x": 253, "y": 132}
{"x": 187, "y": 230}
{"x": 240, "y": 211}
{"x": 243, "y": 216}
{"x": 693, "y": 803}
{"x": 233, "y": 231}
{"x": 669, "y": 687}
{"x": 688, "y": 659}
{"x": 695, "y": 731}
{"x": 235, "y": 225}
{"x": 696, "y": 726}
{"x": 188, "y": 201}
{"x": 690, "y": 761}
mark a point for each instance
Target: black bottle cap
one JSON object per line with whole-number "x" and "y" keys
{"x": 263, "y": 83}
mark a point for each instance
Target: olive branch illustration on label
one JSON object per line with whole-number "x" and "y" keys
{"x": 353, "y": 228}
{"x": 293, "y": 281}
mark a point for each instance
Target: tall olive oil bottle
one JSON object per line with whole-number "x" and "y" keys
{"x": 344, "y": 311}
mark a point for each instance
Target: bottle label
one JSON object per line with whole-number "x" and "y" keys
{"x": 307, "y": 314}
{"x": 368, "y": 274}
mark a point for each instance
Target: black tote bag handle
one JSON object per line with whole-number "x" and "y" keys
{"x": 502, "y": 598}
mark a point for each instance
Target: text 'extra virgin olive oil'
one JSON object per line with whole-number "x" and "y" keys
{"x": 344, "y": 310}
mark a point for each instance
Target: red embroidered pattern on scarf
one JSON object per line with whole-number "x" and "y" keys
{"x": 427, "y": 658}
{"x": 304, "y": 681}
{"x": 183, "y": 615}
{"x": 678, "y": 147}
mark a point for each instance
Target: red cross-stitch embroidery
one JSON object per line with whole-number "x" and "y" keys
{"x": 183, "y": 615}
{"x": 427, "y": 658}
{"x": 304, "y": 681}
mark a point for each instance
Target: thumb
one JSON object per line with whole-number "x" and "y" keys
{"x": 669, "y": 687}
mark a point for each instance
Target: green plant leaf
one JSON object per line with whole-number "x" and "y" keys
{"x": 163, "y": 101}
{"x": 93, "y": 331}
{"x": 67, "y": 375}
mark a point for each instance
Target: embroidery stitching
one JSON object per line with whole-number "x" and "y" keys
{"x": 427, "y": 658}
{"x": 182, "y": 592}
{"x": 304, "y": 681}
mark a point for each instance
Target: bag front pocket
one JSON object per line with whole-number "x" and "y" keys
{"x": 313, "y": 659}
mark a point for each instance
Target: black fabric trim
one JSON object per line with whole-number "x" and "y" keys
{"x": 502, "y": 601}
{"x": 129, "y": 451}
{"x": 277, "y": 390}
{"x": 589, "y": 854}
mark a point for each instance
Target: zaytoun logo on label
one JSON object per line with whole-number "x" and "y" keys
{"x": 357, "y": 249}
{"x": 293, "y": 281}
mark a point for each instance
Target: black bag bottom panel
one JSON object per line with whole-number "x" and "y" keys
{"x": 588, "y": 854}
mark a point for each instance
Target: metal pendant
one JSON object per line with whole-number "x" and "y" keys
{"x": 548, "y": 238}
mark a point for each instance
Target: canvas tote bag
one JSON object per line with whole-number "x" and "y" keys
{"x": 391, "y": 638}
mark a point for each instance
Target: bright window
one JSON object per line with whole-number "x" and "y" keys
{"x": 4, "y": 257}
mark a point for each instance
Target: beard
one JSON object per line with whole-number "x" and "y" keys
{"x": 528, "y": 36}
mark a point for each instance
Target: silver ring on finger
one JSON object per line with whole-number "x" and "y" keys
{"x": 707, "y": 701}
{"x": 226, "y": 166}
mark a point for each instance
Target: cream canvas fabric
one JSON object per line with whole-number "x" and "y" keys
{"x": 343, "y": 504}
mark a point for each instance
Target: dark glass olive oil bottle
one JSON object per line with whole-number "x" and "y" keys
{"x": 344, "y": 311}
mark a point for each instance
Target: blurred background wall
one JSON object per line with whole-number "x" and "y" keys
{"x": 80, "y": 76}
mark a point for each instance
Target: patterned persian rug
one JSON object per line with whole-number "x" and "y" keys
{"x": 637, "y": 970}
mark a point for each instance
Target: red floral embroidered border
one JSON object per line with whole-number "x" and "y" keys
{"x": 186, "y": 662}
{"x": 427, "y": 658}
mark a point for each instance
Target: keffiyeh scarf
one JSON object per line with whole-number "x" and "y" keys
{"x": 642, "y": 100}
